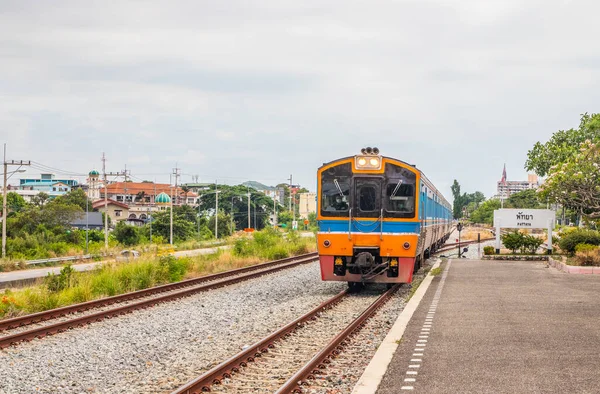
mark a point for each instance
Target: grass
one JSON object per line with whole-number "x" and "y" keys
{"x": 114, "y": 278}
{"x": 436, "y": 271}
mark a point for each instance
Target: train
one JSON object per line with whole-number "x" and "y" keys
{"x": 378, "y": 219}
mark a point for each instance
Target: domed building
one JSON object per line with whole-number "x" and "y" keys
{"x": 93, "y": 190}
{"x": 162, "y": 200}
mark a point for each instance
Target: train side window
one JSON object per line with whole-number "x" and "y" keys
{"x": 400, "y": 192}
{"x": 335, "y": 191}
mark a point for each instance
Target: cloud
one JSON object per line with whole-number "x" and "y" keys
{"x": 237, "y": 90}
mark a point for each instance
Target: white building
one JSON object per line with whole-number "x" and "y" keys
{"x": 307, "y": 204}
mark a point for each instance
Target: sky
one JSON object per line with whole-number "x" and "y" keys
{"x": 235, "y": 90}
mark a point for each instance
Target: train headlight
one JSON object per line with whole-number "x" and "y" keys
{"x": 368, "y": 162}
{"x": 326, "y": 243}
{"x": 406, "y": 245}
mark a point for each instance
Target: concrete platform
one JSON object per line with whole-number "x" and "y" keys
{"x": 501, "y": 327}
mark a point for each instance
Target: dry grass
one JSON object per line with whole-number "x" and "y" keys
{"x": 120, "y": 277}
{"x": 470, "y": 234}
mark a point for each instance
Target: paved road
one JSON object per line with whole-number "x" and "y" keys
{"x": 8, "y": 278}
{"x": 502, "y": 327}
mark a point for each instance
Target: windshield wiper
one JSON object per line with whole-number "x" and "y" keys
{"x": 336, "y": 183}
{"x": 396, "y": 189}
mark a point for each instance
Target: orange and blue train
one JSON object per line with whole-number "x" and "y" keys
{"x": 379, "y": 218}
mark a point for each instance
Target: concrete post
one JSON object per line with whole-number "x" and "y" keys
{"x": 550, "y": 228}
{"x": 498, "y": 243}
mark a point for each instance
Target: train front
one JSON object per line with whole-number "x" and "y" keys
{"x": 368, "y": 223}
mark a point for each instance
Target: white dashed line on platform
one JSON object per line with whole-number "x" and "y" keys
{"x": 425, "y": 331}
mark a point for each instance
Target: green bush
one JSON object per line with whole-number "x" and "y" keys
{"x": 513, "y": 240}
{"x": 489, "y": 250}
{"x": 522, "y": 242}
{"x": 585, "y": 248}
{"x": 568, "y": 242}
{"x": 126, "y": 234}
{"x": 531, "y": 243}
{"x": 59, "y": 282}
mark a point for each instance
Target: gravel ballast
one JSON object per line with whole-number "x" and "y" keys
{"x": 161, "y": 348}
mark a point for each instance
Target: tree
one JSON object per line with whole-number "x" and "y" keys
{"x": 75, "y": 197}
{"x": 224, "y": 225}
{"x": 470, "y": 201}
{"x": 563, "y": 145}
{"x": 14, "y": 202}
{"x": 40, "y": 199}
{"x": 576, "y": 182}
{"x": 126, "y": 234}
{"x": 182, "y": 229}
{"x": 485, "y": 213}
{"x": 457, "y": 200}
{"x": 524, "y": 199}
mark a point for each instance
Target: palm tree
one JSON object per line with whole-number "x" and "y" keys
{"x": 140, "y": 196}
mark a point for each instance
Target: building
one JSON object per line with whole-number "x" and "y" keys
{"x": 144, "y": 194}
{"x": 47, "y": 184}
{"x": 506, "y": 188}
{"x": 91, "y": 220}
{"x": 117, "y": 211}
{"x": 307, "y": 204}
{"x": 198, "y": 188}
{"x": 275, "y": 193}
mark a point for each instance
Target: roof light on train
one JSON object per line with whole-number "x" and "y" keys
{"x": 369, "y": 150}
{"x": 362, "y": 161}
{"x": 375, "y": 151}
{"x": 374, "y": 162}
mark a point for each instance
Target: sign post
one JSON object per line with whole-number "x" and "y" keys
{"x": 459, "y": 227}
{"x": 524, "y": 218}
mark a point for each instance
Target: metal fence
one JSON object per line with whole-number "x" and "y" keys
{"x": 58, "y": 259}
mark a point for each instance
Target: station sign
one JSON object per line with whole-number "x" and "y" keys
{"x": 524, "y": 218}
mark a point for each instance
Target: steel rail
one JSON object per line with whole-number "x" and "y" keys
{"x": 38, "y": 317}
{"x": 224, "y": 370}
{"x": 40, "y": 332}
{"x": 333, "y": 348}
{"x": 240, "y": 360}
{"x": 445, "y": 248}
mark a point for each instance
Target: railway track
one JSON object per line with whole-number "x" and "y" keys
{"x": 15, "y": 330}
{"x": 294, "y": 355}
{"x": 448, "y": 247}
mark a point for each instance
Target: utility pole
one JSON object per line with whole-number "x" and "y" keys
{"x": 105, "y": 202}
{"x": 105, "y": 174}
{"x": 19, "y": 163}
{"x": 176, "y": 174}
{"x": 216, "y": 209}
{"x": 248, "y": 207}
{"x": 290, "y": 202}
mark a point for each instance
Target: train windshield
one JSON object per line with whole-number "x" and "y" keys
{"x": 367, "y": 197}
{"x": 335, "y": 190}
{"x": 399, "y": 193}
